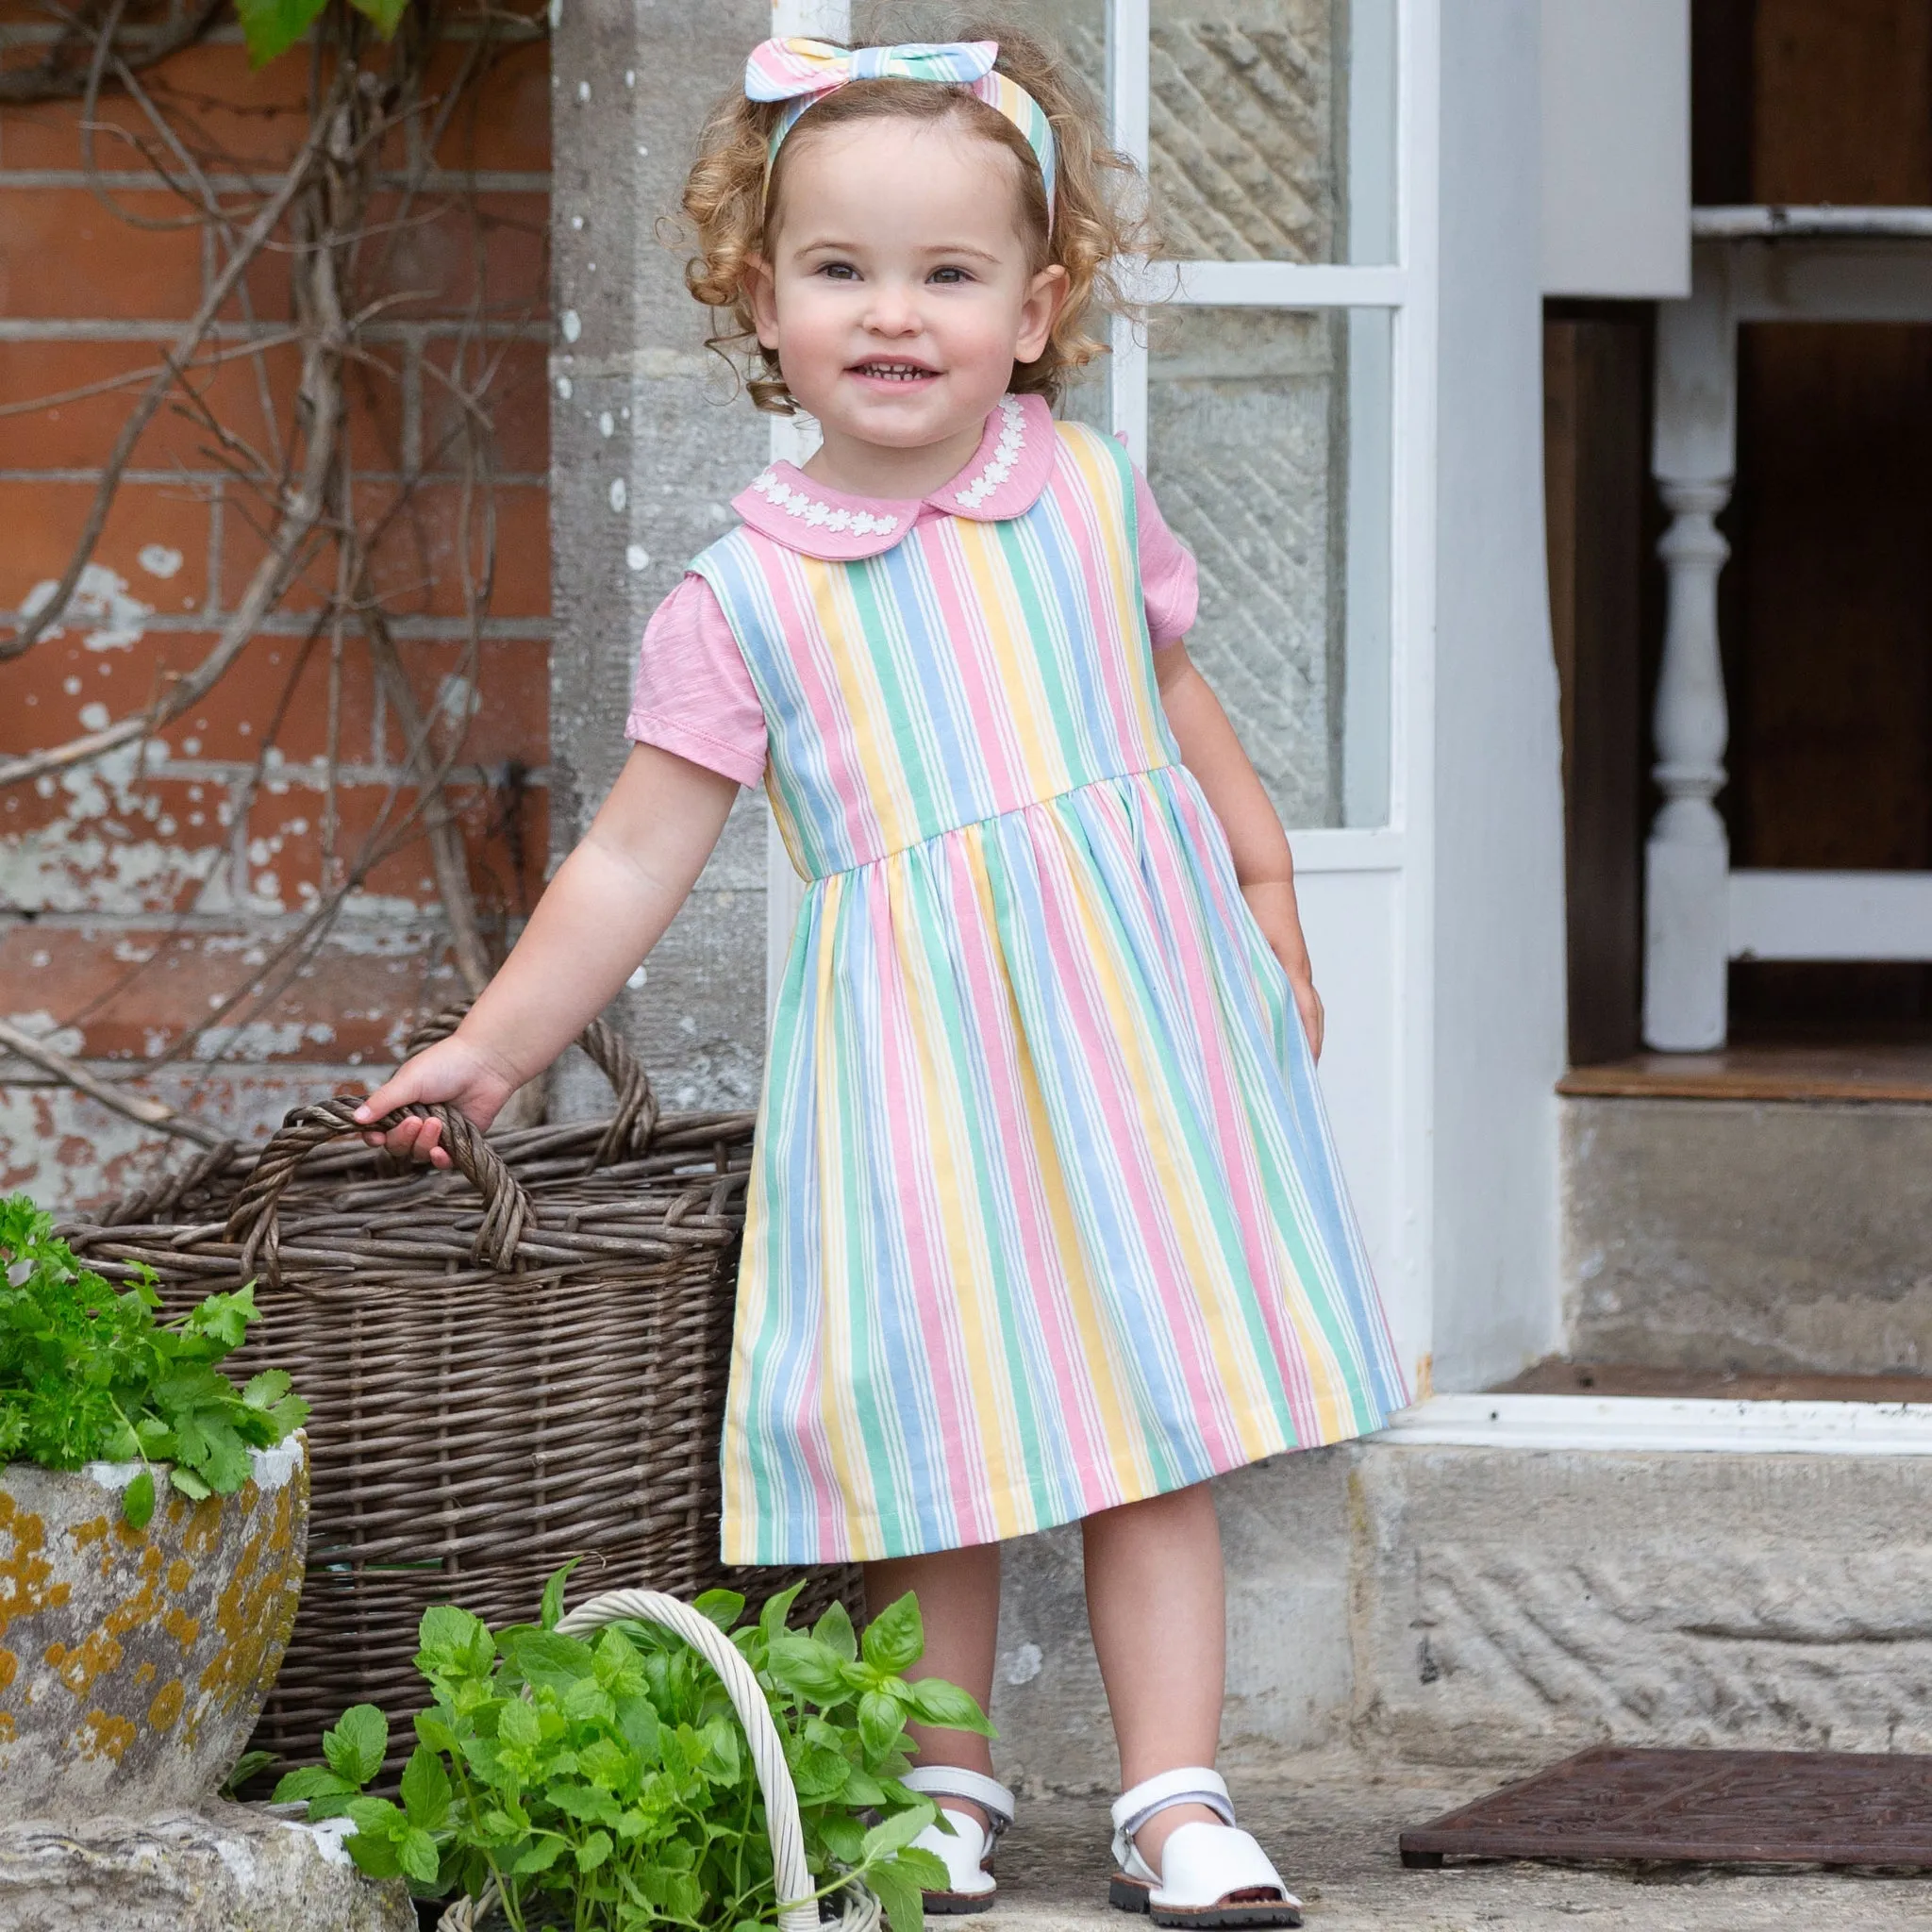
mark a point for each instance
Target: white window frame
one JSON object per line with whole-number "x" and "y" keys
{"x": 1400, "y": 848}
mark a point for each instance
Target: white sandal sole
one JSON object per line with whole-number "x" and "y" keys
{"x": 1132, "y": 1895}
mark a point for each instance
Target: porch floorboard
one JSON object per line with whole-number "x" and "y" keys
{"x": 1897, "y": 1071}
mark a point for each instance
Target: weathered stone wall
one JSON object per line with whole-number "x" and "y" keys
{"x": 1722, "y": 1235}
{"x": 648, "y": 446}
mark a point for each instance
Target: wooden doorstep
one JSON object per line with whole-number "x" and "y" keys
{"x": 1898, "y": 1071}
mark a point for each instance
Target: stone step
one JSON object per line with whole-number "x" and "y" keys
{"x": 1771, "y": 1237}
{"x": 1467, "y": 1605}
{"x": 1331, "y": 1823}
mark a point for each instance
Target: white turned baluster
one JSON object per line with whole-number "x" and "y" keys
{"x": 1687, "y": 899}
{"x": 1687, "y": 859}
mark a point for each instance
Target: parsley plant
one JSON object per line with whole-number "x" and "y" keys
{"x": 88, "y": 1373}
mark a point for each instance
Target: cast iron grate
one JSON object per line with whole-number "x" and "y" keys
{"x": 1704, "y": 1807}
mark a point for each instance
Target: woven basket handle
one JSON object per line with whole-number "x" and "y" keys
{"x": 252, "y": 1221}
{"x": 791, "y": 1875}
{"x": 634, "y": 1124}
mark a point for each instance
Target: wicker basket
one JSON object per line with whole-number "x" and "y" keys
{"x": 511, "y": 1364}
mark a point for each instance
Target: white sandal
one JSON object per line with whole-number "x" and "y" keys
{"x": 1210, "y": 1876}
{"x": 967, "y": 1850}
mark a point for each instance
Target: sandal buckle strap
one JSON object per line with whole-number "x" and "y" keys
{"x": 1193, "y": 1784}
{"x": 955, "y": 1781}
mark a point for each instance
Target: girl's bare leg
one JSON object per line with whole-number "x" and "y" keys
{"x": 959, "y": 1592}
{"x": 1158, "y": 1604}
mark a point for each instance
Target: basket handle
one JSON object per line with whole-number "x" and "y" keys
{"x": 633, "y": 1125}
{"x": 252, "y": 1221}
{"x": 791, "y": 1875}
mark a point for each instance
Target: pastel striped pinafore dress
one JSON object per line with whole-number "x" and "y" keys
{"x": 1044, "y": 1213}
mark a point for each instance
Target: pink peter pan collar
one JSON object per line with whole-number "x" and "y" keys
{"x": 1008, "y": 473}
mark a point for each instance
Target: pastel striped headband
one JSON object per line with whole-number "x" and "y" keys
{"x": 802, "y": 72}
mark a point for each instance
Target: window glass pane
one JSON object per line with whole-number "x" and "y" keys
{"x": 1271, "y": 126}
{"x": 1269, "y": 453}
{"x": 1078, "y": 29}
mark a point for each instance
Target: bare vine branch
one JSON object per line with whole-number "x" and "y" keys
{"x": 63, "y": 75}
{"x": 135, "y": 1107}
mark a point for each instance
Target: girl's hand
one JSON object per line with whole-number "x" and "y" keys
{"x": 1272, "y": 904}
{"x": 455, "y": 1071}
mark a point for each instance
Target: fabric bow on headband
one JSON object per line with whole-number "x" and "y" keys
{"x": 802, "y": 72}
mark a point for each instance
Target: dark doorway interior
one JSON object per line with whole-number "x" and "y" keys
{"x": 1826, "y": 604}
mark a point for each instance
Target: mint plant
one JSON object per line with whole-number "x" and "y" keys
{"x": 88, "y": 1373}
{"x": 606, "y": 1785}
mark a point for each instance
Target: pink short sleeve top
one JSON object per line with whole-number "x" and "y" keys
{"x": 693, "y": 696}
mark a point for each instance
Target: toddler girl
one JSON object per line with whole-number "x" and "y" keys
{"x": 1044, "y": 1219}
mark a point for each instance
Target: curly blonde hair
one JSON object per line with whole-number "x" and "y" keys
{"x": 1093, "y": 228}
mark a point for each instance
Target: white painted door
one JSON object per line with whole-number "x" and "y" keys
{"x": 1281, "y": 396}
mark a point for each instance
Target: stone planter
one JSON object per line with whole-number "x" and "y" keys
{"x": 133, "y": 1664}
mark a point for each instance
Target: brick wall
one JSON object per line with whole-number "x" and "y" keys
{"x": 140, "y": 894}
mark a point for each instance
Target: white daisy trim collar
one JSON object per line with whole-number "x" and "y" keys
{"x": 1005, "y": 477}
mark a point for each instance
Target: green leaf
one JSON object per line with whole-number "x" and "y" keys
{"x": 935, "y": 1702}
{"x": 272, "y": 27}
{"x": 355, "y": 1747}
{"x": 881, "y": 1720}
{"x": 426, "y": 1788}
{"x": 245, "y": 1767}
{"x": 593, "y": 1851}
{"x": 387, "y": 14}
{"x": 416, "y": 1853}
{"x": 772, "y": 1618}
{"x": 552, "y": 1612}
{"x": 638, "y": 1725}
{"x": 820, "y": 1773}
{"x": 453, "y": 1643}
{"x": 834, "y": 1630}
{"x": 927, "y": 1870}
{"x": 895, "y": 1833}
{"x": 896, "y": 1636}
{"x": 138, "y": 1501}
{"x": 722, "y": 1606}
{"x": 803, "y": 1664}
{"x": 541, "y": 1856}
{"x": 434, "y": 1728}
{"x": 288, "y": 1415}
{"x": 844, "y": 1837}
{"x": 549, "y": 1660}
{"x": 267, "y": 1388}
{"x": 377, "y": 1818}
{"x": 190, "y": 1484}
{"x": 519, "y": 1726}
{"x": 373, "y": 1855}
{"x": 313, "y": 1781}
{"x": 225, "y": 1461}
{"x": 899, "y": 1893}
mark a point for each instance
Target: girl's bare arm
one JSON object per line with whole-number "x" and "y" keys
{"x": 606, "y": 908}
{"x": 1262, "y": 861}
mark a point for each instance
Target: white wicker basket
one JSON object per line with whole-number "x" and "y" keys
{"x": 858, "y": 1909}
